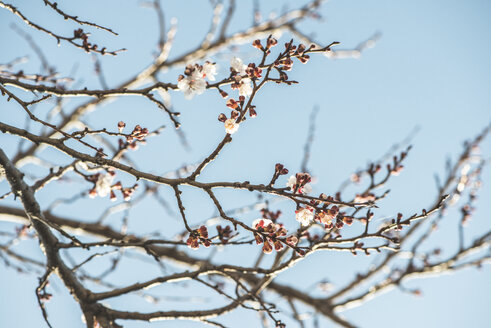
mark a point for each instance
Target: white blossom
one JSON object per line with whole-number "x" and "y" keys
{"x": 238, "y": 66}
{"x": 245, "y": 87}
{"x": 231, "y": 126}
{"x": 209, "y": 71}
{"x": 292, "y": 180}
{"x": 304, "y": 215}
{"x": 191, "y": 85}
{"x": 103, "y": 184}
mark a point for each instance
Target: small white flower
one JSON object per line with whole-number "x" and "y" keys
{"x": 231, "y": 126}
{"x": 292, "y": 180}
{"x": 304, "y": 215}
{"x": 238, "y": 66}
{"x": 209, "y": 71}
{"x": 191, "y": 85}
{"x": 245, "y": 88}
{"x": 103, "y": 184}
{"x": 257, "y": 223}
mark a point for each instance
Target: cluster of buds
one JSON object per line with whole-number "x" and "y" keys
{"x": 396, "y": 168}
{"x": 233, "y": 104}
{"x": 300, "y": 51}
{"x": 80, "y": 34}
{"x": 467, "y": 209}
{"x": 231, "y": 125}
{"x": 299, "y": 183}
{"x": 358, "y": 246}
{"x": 224, "y": 234}
{"x": 128, "y": 192}
{"x": 326, "y": 200}
{"x": 332, "y": 217}
{"x": 280, "y": 169}
{"x": 270, "y": 43}
{"x": 398, "y": 222}
{"x": 269, "y": 234}
{"x": 257, "y": 44}
{"x": 365, "y": 198}
{"x": 138, "y": 134}
{"x": 284, "y": 64}
{"x": 280, "y": 324}
{"x": 198, "y": 236}
{"x": 252, "y": 71}
{"x": 270, "y": 215}
{"x": 373, "y": 169}
{"x": 366, "y": 219}
{"x": 301, "y": 55}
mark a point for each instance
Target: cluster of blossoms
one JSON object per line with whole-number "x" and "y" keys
{"x": 300, "y": 183}
{"x": 193, "y": 81}
{"x": 138, "y": 134}
{"x": 103, "y": 186}
{"x": 304, "y": 215}
{"x": 269, "y": 234}
{"x": 333, "y": 217}
{"x": 242, "y": 75}
{"x": 198, "y": 236}
{"x": 326, "y": 217}
{"x": 329, "y": 217}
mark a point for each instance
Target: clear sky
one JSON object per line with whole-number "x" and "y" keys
{"x": 431, "y": 69}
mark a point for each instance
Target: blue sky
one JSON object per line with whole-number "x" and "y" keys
{"x": 431, "y": 69}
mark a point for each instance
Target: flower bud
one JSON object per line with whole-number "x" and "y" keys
{"x": 252, "y": 112}
{"x": 121, "y": 126}
{"x": 257, "y": 44}
{"x": 222, "y": 117}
